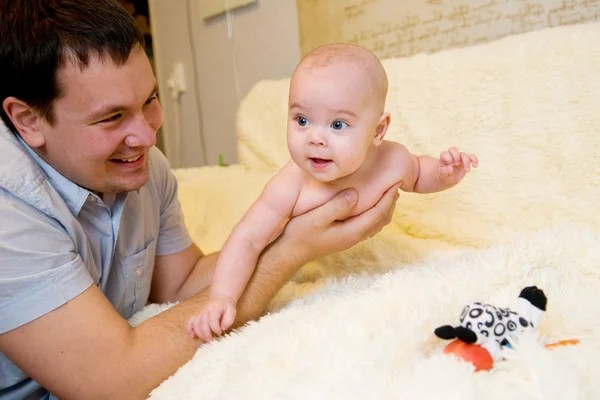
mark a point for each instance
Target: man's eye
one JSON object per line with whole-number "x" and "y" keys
{"x": 110, "y": 119}
{"x": 302, "y": 121}
{"x": 151, "y": 99}
{"x": 337, "y": 125}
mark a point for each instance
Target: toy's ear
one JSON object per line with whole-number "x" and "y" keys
{"x": 465, "y": 334}
{"x": 446, "y": 332}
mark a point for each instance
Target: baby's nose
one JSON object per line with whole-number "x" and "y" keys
{"x": 317, "y": 138}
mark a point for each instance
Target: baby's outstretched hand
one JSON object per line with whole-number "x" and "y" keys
{"x": 454, "y": 165}
{"x": 216, "y": 317}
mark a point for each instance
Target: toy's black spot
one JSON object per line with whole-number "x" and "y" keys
{"x": 499, "y": 330}
{"x": 463, "y": 314}
{"x": 490, "y": 322}
{"x": 475, "y": 312}
{"x": 523, "y": 322}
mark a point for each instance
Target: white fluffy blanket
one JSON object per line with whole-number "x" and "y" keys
{"x": 359, "y": 324}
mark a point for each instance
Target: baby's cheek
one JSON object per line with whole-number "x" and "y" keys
{"x": 294, "y": 149}
{"x": 350, "y": 161}
{"x": 355, "y": 153}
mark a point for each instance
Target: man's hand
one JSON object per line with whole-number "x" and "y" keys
{"x": 327, "y": 229}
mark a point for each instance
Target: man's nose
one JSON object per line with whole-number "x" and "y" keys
{"x": 142, "y": 135}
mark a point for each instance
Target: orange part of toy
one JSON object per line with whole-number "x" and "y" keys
{"x": 473, "y": 353}
{"x": 566, "y": 342}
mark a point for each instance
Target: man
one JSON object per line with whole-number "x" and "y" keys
{"x": 91, "y": 225}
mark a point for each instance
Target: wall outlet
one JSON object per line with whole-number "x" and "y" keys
{"x": 212, "y": 8}
{"x": 176, "y": 81}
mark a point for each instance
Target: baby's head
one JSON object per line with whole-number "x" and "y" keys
{"x": 336, "y": 110}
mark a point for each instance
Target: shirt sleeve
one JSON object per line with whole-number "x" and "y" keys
{"x": 173, "y": 235}
{"x": 39, "y": 269}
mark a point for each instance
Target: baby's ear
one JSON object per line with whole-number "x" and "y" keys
{"x": 382, "y": 127}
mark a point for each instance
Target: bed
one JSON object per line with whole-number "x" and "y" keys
{"x": 359, "y": 324}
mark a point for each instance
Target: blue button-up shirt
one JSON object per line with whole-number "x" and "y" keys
{"x": 57, "y": 239}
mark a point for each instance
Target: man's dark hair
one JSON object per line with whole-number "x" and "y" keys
{"x": 37, "y": 38}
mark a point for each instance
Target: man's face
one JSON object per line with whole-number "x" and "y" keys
{"x": 104, "y": 124}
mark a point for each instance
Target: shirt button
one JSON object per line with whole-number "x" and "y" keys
{"x": 138, "y": 272}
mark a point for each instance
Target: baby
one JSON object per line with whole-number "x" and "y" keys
{"x": 335, "y": 135}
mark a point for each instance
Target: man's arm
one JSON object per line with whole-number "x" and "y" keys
{"x": 85, "y": 350}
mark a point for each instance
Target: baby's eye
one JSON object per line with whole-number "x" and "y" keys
{"x": 337, "y": 125}
{"x": 302, "y": 121}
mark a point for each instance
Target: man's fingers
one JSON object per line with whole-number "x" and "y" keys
{"x": 337, "y": 208}
{"x": 374, "y": 219}
{"x": 387, "y": 219}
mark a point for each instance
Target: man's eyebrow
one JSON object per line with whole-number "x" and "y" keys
{"x": 105, "y": 110}
{"x": 108, "y": 109}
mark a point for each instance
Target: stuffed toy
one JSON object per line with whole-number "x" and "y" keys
{"x": 484, "y": 329}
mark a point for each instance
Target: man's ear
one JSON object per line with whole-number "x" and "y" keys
{"x": 382, "y": 127}
{"x": 25, "y": 120}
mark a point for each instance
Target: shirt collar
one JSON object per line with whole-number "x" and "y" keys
{"x": 73, "y": 194}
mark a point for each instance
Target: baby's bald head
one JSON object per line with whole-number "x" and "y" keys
{"x": 345, "y": 55}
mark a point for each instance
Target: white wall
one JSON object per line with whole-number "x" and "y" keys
{"x": 265, "y": 45}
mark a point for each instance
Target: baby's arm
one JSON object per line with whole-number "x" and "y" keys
{"x": 426, "y": 174}
{"x": 259, "y": 226}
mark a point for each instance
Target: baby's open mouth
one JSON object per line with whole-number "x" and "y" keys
{"x": 319, "y": 163}
{"x": 319, "y": 160}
